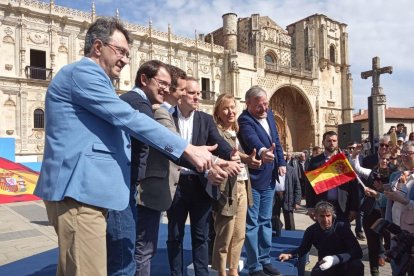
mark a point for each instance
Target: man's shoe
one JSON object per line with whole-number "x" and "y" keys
{"x": 257, "y": 273}
{"x": 360, "y": 236}
{"x": 268, "y": 269}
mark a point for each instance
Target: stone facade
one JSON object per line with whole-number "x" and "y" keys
{"x": 305, "y": 68}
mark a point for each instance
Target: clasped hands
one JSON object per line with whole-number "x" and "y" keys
{"x": 221, "y": 169}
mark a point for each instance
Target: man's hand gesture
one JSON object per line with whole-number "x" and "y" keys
{"x": 268, "y": 155}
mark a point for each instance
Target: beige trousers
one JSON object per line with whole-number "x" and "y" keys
{"x": 81, "y": 231}
{"x": 230, "y": 234}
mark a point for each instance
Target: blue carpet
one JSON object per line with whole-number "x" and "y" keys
{"x": 44, "y": 264}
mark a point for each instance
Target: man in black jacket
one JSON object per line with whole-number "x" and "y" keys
{"x": 338, "y": 250}
{"x": 345, "y": 197}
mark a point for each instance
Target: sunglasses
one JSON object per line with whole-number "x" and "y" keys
{"x": 383, "y": 145}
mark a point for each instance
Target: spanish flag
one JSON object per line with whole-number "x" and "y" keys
{"x": 333, "y": 173}
{"x": 17, "y": 182}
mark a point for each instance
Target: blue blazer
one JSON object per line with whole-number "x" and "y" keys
{"x": 253, "y": 136}
{"x": 87, "y": 145}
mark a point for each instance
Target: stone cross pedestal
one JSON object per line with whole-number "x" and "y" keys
{"x": 377, "y": 100}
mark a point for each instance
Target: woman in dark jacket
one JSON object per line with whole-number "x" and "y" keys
{"x": 371, "y": 206}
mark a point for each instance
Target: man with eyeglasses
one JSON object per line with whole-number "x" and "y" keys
{"x": 86, "y": 166}
{"x": 371, "y": 160}
{"x": 151, "y": 83}
{"x": 359, "y": 233}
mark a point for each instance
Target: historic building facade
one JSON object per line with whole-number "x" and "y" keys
{"x": 305, "y": 68}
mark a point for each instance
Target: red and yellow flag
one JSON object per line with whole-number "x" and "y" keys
{"x": 333, "y": 173}
{"x": 17, "y": 182}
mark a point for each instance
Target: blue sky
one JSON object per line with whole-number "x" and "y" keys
{"x": 376, "y": 28}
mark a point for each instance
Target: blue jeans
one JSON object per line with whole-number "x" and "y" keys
{"x": 259, "y": 229}
{"x": 120, "y": 239}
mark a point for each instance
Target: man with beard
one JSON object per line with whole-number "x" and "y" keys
{"x": 344, "y": 197}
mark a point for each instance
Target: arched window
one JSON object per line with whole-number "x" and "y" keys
{"x": 39, "y": 118}
{"x": 332, "y": 53}
{"x": 269, "y": 59}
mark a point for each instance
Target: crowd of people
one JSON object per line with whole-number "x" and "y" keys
{"x": 113, "y": 164}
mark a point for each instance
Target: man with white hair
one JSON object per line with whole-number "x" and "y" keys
{"x": 258, "y": 132}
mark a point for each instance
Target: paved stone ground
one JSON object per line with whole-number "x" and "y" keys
{"x": 24, "y": 232}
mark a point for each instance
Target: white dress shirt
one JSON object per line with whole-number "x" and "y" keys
{"x": 185, "y": 125}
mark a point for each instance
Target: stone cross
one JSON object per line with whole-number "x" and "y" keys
{"x": 375, "y": 74}
{"x": 377, "y": 101}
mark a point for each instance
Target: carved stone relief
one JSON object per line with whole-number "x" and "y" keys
{"x": 331, "y": 118}
{"x": 8, "y": 31}
{"x": 204, "y": 68}
{"x": 37, "y": 38}
{"x": 62, "y": 49}
{"x": 8, "y": 38}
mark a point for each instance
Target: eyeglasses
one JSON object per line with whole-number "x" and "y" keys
{"x": 382, "y": 145}
{"x": 162, "y": 84}
{"x": 119, "y": 51}
{"x": 407, "y": 153}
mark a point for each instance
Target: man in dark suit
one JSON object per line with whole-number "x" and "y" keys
{"x": 371, "y": 161}
{"x": 258, "y": 132}
{"x": 191, "y": 197}
{"x": 157, "y": 188}
{"x": 151, "y": 82}
{"x": 344, "y": 198}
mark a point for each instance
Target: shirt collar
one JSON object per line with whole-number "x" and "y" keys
{"x": 168, "y": 107}
{"x": 180, "y": 115}
{"x": 140, "y": 92}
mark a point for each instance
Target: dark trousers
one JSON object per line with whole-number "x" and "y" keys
{"x": 373, "y": 239}
{"x": 190, "y": 198}
{"x": 351, "y": 268}
{"x": 386, "y": 236}
{"x": 287, "y": 215}
{"x": 148, "y": 225}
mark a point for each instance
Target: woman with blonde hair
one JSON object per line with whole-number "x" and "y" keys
{"x": 229, "y": 211}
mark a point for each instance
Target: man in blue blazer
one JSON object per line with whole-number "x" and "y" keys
{"x": 86, "y": 165}
{"x": 258, "y": 131}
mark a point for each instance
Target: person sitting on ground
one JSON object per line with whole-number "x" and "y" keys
{"x": 338, "y": 250}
